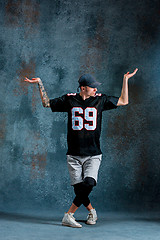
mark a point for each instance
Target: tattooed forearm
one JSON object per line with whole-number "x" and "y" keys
{"x": 44, "y": 97}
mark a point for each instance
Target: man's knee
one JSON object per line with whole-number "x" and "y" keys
{"x": 89, "y": 182}
{"x": 85, "y": 187}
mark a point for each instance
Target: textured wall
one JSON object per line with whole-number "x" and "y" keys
{"x": 58, "y": 41}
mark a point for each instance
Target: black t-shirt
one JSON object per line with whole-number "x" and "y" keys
{"x": 84, "y": 121}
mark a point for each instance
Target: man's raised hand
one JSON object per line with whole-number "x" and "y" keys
{"x": 34, "y": 80}
{"x": 129, "y": 75}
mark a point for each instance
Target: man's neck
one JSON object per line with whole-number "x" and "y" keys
{"x": 84, "y": 96}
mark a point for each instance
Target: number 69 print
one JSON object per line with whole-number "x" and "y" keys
{"x": 89, "y": 114}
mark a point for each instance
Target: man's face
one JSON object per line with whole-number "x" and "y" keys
{"x": 90, "y": 92}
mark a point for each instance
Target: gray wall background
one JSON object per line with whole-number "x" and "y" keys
{"x": 58, "y": 41}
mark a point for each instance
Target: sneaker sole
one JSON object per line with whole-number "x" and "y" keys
{"x": 91, "y": 223}
{"x": 67, "y": 225}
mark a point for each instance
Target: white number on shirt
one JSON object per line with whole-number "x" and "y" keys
{"x": 90, "y": 114}
{"x": 77, "y": 122}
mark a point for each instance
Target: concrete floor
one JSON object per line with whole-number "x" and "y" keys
{"x": 47, "y": 226}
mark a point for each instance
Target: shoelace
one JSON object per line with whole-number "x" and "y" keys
{"x": 72, "y": 216}
{"x": 90, "y": 215}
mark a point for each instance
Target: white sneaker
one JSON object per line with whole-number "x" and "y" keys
{"x": 92, "y": 217}
{"x": 69, "y": 220}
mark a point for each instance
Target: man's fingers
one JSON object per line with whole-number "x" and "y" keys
{"x": 27, "y": 78}
{"x": 129, "y": 75}
{"x": 30, "y": 79}
{"x": 33, "y": 80}
{"x": 132, "y": 74}
{"x": 135, "y": 71}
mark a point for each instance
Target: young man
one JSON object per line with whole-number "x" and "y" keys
{"x": 84, "y": 128}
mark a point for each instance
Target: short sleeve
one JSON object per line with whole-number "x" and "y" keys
{"x": 59, "y": 104}
{"x": 109, "y": 102}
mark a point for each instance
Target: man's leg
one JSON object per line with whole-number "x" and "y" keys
{"x": 82, "y": 191}
{"x": 73, "y": 208}
{"x": 69, "y": 220}
{"x": 76, "y": 166}
{"x": 75, "y": 171}
{"x": 92, "y": 216}
{"x": 90, "y": 171}
{"x": 89, "y": 207}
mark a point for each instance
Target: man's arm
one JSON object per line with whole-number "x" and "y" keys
{"x": 123, "y": 100}
{"x": 43, "y": 94}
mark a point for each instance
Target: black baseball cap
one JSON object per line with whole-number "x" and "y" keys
{"x": 88, "y": 80}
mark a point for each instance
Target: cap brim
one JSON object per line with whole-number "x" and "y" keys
{"x": 94, "y": 85}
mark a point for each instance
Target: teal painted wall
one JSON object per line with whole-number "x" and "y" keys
{"x": 58, "y": 41}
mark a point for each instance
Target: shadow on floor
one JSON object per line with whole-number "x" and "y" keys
{"x": 56, "y": 219}
{"x": 30, "y": 219}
